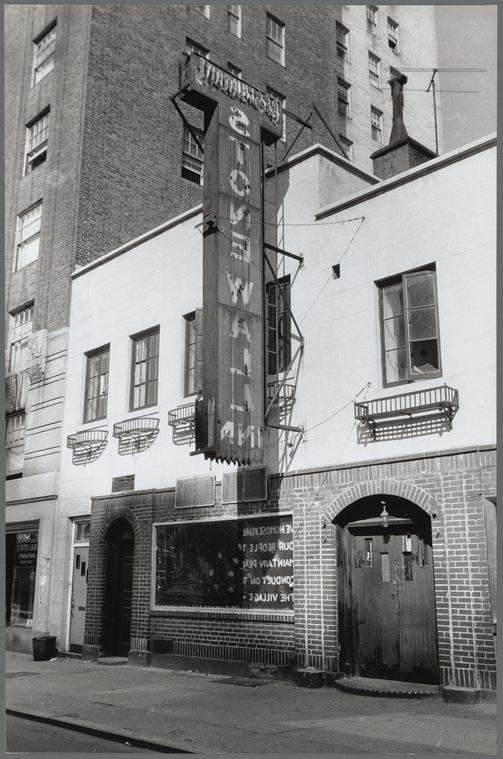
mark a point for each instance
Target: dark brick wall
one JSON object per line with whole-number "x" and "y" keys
{"x": 451, "y": 488}
{"x": 56, "y": 181}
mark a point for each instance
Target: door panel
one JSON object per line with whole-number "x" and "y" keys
{"x": 79, "y": 595}
{"x": 392, "y": 599}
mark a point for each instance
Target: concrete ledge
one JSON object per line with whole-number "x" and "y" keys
{"x": 456, "y": 694}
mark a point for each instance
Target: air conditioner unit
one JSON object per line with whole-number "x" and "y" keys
{"x": 245, "y": 485}
{"x": 195, "y": 492}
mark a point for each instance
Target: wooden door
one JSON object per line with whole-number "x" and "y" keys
{"x": 390, "y": 604}
{"x": 79, "y": 595}
{"x": 119, "y": 596}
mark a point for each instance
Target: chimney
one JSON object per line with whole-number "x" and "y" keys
{"x": 402, "y": 152}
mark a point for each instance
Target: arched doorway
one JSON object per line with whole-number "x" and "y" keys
{"x": 386, "y": 598}
{"x": 119, "y": 589}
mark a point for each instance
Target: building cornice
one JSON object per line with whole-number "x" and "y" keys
{"x": 408, "y": 176}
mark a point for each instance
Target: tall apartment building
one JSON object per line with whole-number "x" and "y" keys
{"x": 97, "y": 154}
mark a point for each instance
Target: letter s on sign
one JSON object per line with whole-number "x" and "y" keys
{"x": 239, "y": 121}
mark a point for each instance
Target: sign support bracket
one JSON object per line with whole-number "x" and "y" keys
{"x": 184, "y": 119}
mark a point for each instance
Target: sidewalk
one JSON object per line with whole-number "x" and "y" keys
{"x": 210, "y": 714}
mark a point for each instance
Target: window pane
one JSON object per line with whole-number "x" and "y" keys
{"x": 422, "y": 323}
{"x": 424, "y": 356}
{"x": 394, "y": 333}
{"x": 420, "y": 290}
{"x": 392, "y": 299}
{"x": 396, "y": 365}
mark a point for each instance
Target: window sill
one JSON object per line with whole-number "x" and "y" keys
{"x": 231, "y": 614}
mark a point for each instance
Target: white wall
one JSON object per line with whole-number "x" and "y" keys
{"x": 446, "y": 217}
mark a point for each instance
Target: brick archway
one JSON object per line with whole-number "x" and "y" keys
{"x": 382, "y": 487}
{"x": 119, "y": 513}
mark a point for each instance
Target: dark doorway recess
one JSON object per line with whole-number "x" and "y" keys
{"x": 119, "y": 589}
{"x": 386, "y": 604}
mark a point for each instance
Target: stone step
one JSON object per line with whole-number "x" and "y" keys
{"x": 370, "y": 686}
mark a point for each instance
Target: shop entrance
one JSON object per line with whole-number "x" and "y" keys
{"x": 119, "y": 589}
{"x": 387, "y": 624}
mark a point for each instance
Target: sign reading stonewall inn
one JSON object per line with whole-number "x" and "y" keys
{"x": 238, "y": 120}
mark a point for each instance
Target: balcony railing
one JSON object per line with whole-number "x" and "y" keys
{"x": 281, "y": 395}
{"x": 444, "y": 399}
{"x": 396, "y": 417}
{"x": 183, "y": 421}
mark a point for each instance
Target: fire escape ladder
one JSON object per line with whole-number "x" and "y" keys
{"x": 281, "y": 393}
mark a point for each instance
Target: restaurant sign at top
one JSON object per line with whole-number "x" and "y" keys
{"x": 210, "y": 80}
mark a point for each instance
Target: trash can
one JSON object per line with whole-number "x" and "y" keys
{"x": 44, "y": 647}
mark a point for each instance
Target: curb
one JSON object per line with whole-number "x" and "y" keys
{"x": 99, "y": 731}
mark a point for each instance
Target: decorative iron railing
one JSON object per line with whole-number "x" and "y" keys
{"x": 136, "y": 434}
{"x": 444, "y": 399}
{"x": 87, "y": 445}
{"x": 183, "y": 421}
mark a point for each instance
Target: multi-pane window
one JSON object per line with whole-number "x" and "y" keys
{"x": 343, "y": 98}
{"x": 193, "y": 352}
{"x": 282, "y": 103}
{"x": 43, "y": 55}
{"x": 372, "y": 20}
{"x": 192, "y": 155}
{"x": 234, "y": 70}
{"x": 145, "y": 369}
{"x": 28, "y": 235}
{"x": 347, "y": 147}
{"x": 393, "y": 35}
{"x": 195, "y": 47}
{"x": 278, "y": 346}
{"x": 409, "y": 323}
{"x": 374, "y": 70}
{"x": 36, "y": 142}
{"x": 234, "y": 20}
{"x": 342, "y": 41}
{"x": 275, "y": 34}
{"x": 376, "y": 124}
{"x": 97, "y": 367}
{"x": 14, "y": 443}
{"x": 204, "y": 10}
{"x": 21, "y": 327}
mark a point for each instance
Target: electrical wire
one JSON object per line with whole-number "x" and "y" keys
{"x": 307, "y": 224}
{"x": 364, "y": 388}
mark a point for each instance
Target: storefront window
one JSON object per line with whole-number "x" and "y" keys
{"x": 243, "y": 563}
{"x": 22, "y": 549}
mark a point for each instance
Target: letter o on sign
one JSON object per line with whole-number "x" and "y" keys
{"x": 242, "y": 190}
{"x": 239, "y": 121}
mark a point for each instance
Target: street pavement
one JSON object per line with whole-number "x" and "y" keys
{"x": 211, "y": 714}
{"x": 23, "y": 736}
